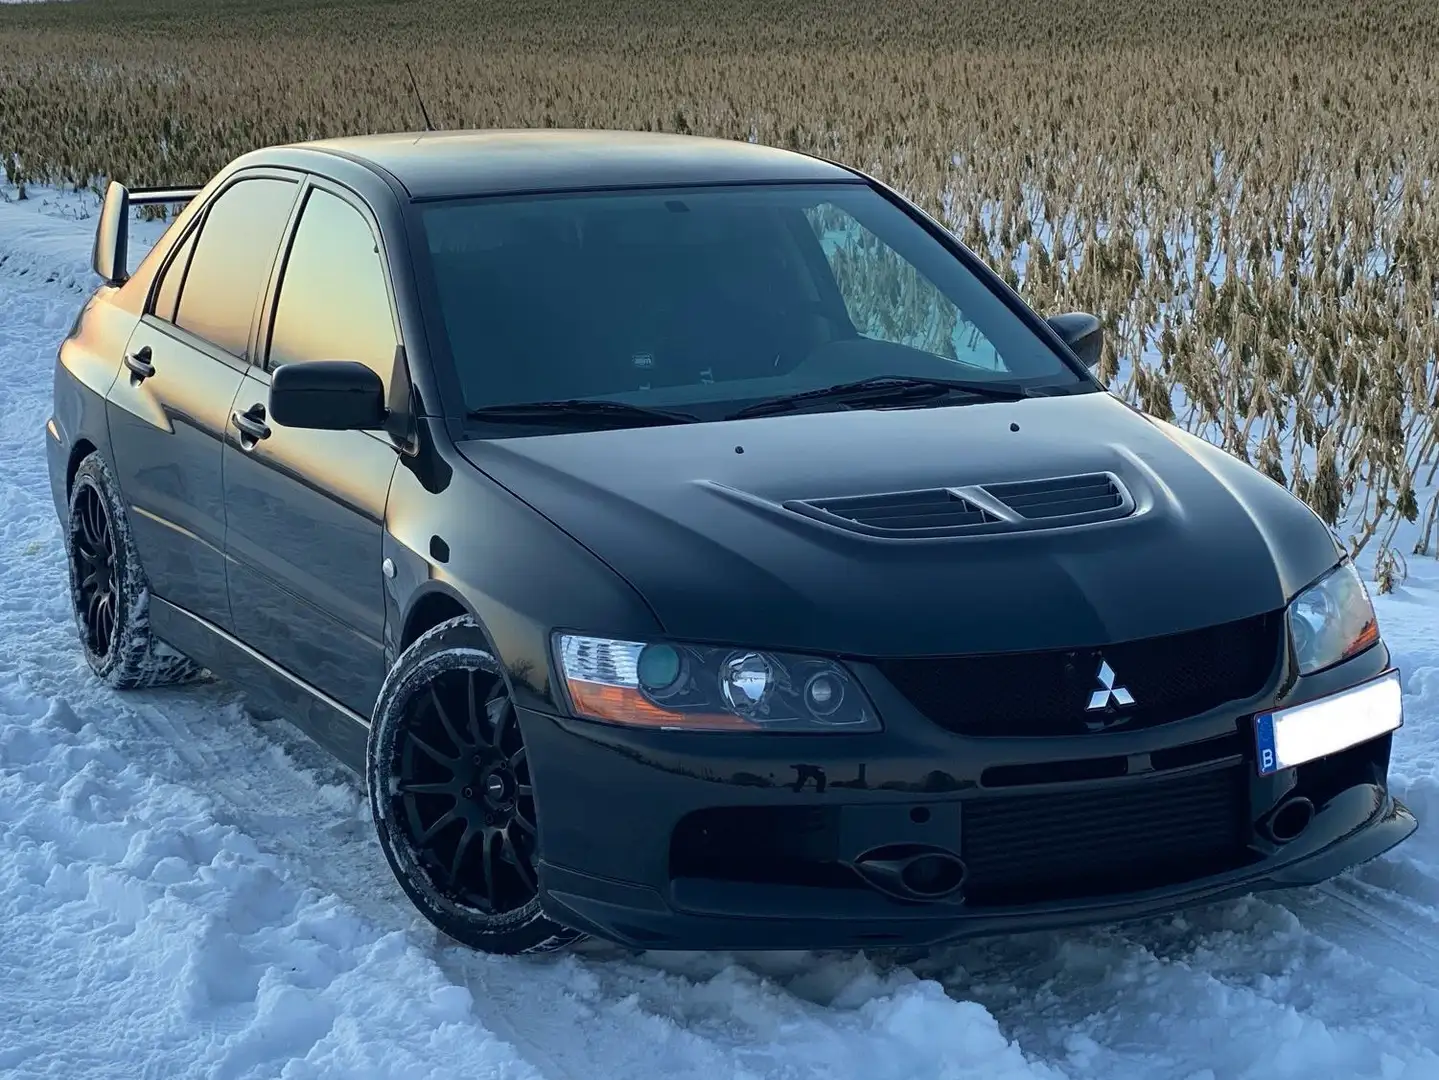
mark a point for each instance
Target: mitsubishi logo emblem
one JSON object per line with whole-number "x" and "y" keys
{"x": 1107, "y": 691}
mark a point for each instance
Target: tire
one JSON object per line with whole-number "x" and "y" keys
{"x": 452, "y": 803}
{"x": 109, "y": 593}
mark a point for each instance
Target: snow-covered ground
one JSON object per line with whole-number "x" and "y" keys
{"x": 186, "y": 891}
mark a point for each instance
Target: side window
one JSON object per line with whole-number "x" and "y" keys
{"x": 334, "y": 304}
{"x": 890, "y": 300}
{"x": 174, "y": 276}
{"x": 232, "y": 261}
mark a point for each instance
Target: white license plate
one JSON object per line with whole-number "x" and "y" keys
{"x": 1288, "y": 737}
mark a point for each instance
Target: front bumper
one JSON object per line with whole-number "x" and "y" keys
{"x": 664, "y": 840}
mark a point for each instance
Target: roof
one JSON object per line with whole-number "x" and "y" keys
{"x": 438, "y": 164}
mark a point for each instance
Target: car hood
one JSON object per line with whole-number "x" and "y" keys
{"x": 694, "y": 517}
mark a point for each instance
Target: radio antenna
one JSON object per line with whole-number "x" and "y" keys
{"x": 423, "y": 111}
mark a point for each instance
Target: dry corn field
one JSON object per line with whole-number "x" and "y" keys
{"x": 1244, "y": 192}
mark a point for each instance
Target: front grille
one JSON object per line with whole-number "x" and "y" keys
{"x": 1131, "y": 835}
{"x": 1048, "y": 693}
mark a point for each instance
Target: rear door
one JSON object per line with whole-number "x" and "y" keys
{"x": 170, "y": 408}
{"x": 306, "y": 509}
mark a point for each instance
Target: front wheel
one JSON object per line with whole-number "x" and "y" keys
{"x": 451, "y": 794}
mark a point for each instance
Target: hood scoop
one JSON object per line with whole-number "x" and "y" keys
{"x": 1022, "y": 506}
{"x": 1066, "y": 499}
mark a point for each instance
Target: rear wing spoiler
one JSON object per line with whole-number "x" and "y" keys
{"x": 112, "y": 234}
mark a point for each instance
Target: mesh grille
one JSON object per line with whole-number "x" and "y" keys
{"x": 1116, "y": 838}
{"x": 1048, "y": 693}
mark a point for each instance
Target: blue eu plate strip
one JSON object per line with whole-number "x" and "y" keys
{"x": 1264, "y": 743}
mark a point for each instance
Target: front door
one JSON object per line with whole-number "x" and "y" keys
{"x": 170, "y": 408}
{"x": 306, "y": 509}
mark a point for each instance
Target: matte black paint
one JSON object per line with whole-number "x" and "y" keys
{"x": 648, "y": 781}
{"x": 677, "y": 531}
{"x": 1082, "y": 332}
{"x": 166, "y": 437}
{"x": 328, "y": 395}
{"x": 518, "y": 573}
{"x": 306, "y": 518}
{"x": 85, "y": 367}
{"x": 439, "y": 164}
{"x": 1353, "y": 829}
{"x": 270, "y": 690}
{"x": 677, "y": 512}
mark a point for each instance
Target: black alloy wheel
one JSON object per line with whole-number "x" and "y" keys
{"x": 464, "y": 784}
{"x": 92, "y": 562}
{"x": 109, "y": 592}
{"x": 453, "y": 796}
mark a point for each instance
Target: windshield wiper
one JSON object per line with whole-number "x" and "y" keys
{"x": 880, "y": 389}
{"x": 620, "y": 413}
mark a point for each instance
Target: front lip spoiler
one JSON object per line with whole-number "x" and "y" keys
{"x": 1357, "y": 825}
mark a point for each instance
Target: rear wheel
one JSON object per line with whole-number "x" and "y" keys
{"x": 452, "y": 798}
{"x": 108, "y": 589}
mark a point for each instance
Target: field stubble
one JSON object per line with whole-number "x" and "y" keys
{"x": 1247, "y": 200}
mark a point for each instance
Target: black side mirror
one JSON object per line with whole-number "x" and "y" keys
{"x": 1081, "y": 332}
{"x": 330, "y": 395}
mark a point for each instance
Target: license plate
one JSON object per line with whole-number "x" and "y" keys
{"x": 1288, "y": 737}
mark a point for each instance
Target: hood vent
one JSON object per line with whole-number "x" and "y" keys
{"x": 1022, "y": 506}
{"x": 935, "y": 512}
{"x": 1091, "y": 497}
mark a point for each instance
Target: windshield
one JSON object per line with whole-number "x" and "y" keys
{"x": 709, "y": 300}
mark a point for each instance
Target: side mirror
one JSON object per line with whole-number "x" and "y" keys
{"x": 1081, "y": 332}
{"x": 110, "y": 254}
{"x": 329, "y": 395}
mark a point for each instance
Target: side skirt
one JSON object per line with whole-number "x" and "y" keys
{"x": 339, "y": 730}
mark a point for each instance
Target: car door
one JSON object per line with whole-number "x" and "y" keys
{"x": 305, "y": 509}
{"x": 169, "y": 410}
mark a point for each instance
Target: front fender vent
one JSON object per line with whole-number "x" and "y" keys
{"x": 1021, "y": 506}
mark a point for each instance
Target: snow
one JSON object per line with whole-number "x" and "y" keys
{"x": 188, "y": 891}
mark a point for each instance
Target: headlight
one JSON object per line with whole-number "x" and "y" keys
{"x": 1332, "y": 620}
{"x": 708, "y": 688}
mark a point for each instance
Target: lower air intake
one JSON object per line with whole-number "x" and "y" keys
{"x": 1129, "y": 835}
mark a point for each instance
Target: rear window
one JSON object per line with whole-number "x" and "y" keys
{"x": 710, "y": 298}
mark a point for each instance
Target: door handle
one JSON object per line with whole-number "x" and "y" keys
{"x": 252, "y": 425}
{"x": 139, "y": 364}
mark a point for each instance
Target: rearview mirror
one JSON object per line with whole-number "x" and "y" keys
{"x": 1081, "y": 332}
{"x": 329, "y": 395}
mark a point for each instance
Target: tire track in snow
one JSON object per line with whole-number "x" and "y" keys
{"x": 245, "y": 845}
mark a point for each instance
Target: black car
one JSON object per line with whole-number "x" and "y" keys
{"x": 693, "y": 545}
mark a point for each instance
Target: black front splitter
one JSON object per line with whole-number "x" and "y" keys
{"x": 1358, "y": 825}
